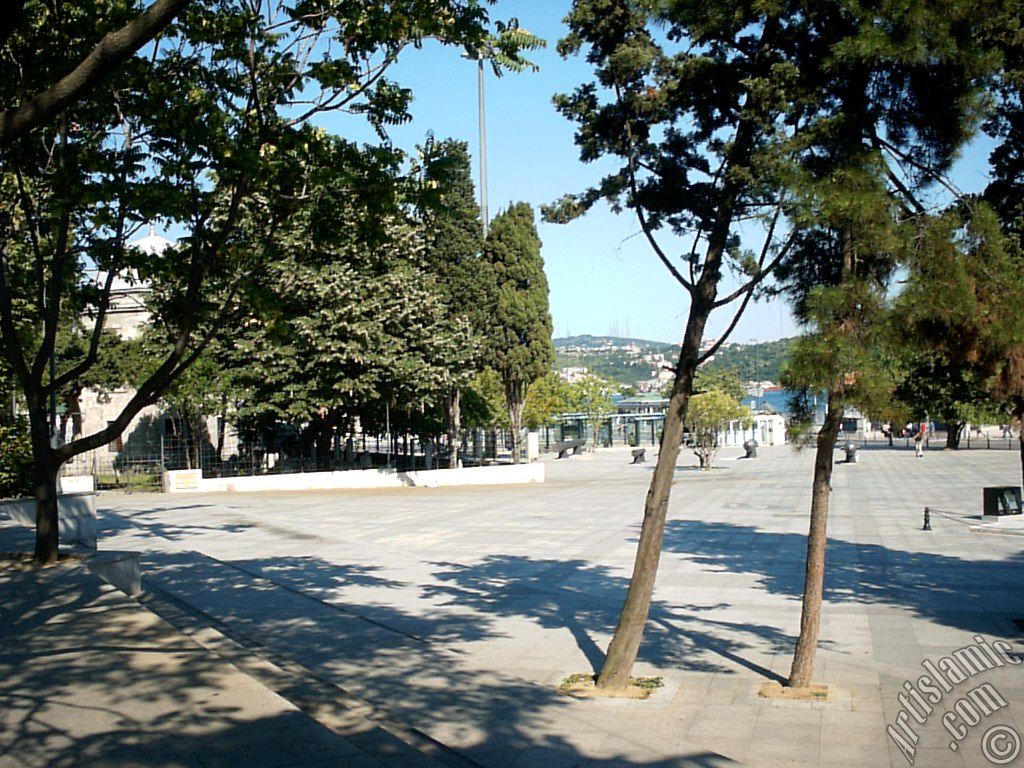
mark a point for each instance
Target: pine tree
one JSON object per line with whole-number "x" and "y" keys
{"x": 730, "y": 112}
{"x": 879, "y": 134}
{"x": 699, "y": 105}
{"x": 520, "y": 349}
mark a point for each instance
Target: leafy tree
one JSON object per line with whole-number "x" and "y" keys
{"x": 36, "y": 103}
{"x": 591, "y": 396}
{"x": 752, "y": 362}
{"x": 1005, "y": 193}
{"x": 725, "y": 381}
{"x": 118, "y": 364}
{"x": 729, "y": 113}
{"x": 484, "y": 401}
{"x": 374, "y": 339}
{"x": 211, "y": 124}
{"x": 15, "y": 460}
{"x": 547, "y": 397}
{"x": 709, "y": 413}
{"x": 959, "y": 313}
{"x": 519, "y": 330}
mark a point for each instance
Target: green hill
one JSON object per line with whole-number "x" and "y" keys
{"x": 629, "y": 360}
{"x": 753, "y": 362}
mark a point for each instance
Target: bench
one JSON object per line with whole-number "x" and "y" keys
{"x": 563, "y": 447}
{"x": 639, "y": 455}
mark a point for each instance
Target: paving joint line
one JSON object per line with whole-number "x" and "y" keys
{"x": 316, "y": 696}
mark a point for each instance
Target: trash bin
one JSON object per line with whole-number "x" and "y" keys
{"x": 1001, "y": 500}
{"x": 851, "y": 453}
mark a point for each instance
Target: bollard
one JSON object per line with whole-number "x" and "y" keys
{"x": 927, "y": 520}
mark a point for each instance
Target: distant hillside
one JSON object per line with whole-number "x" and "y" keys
{"x": 587, "y": 341}
{"x": 754, "y": 362}
{"x": 621, "y": 360}
{"x": 629, "y": 360}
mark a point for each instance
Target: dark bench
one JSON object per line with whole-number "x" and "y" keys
{"x": 563, "y": 447}
{"x": 639, "y": 455}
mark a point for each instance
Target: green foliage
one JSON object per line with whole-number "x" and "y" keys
{"x": 483, "y": 402}
{"x": 547, "y": 397}
{"x": 450, "y": 218}
{"x": 958, "y": 317}
{"x": 764, "y": 361}
{"x": 719, "y": 380}
{"x": 16, "y": 466}
{"x": 845, "y": 353}
{"x": 208, "y": 133}
{"x": 710, "y": 412}
{"x": 519, "y": 327}
{"x": 591, "y": 396}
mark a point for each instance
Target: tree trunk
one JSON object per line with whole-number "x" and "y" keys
{"x": 45, "y": 488}
{"x": 625, "y": 644}
{"x": 953, "y": 431}
{"x": 72, "y": 412}
{"x": 221, "y": 425}
{"x": 817, "y": 540}
{"x": 514, "y": 392}
{"x": 186, "y": 436}
{"x": 454, "y": 414}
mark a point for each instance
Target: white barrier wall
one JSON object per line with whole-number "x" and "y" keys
{"x": 191, "y": 480}
{"x": 76, "y": 516}
{"x": 77, "y": 484}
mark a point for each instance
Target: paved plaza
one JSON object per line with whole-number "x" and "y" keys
{"x": 435, "y": 624}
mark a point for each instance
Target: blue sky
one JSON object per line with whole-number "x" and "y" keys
{"x": 601, "y": 272}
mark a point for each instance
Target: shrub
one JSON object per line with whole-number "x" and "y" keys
{"x": 15, "y": 460}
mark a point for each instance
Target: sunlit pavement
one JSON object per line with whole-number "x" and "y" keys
{"x": 457, "y": 611}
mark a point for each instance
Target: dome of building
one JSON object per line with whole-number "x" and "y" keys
{"x": 152, "y": 244}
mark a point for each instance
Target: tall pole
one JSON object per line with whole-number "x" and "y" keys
{"x": 483, "y": 140}
{"x": 387, "y": 427}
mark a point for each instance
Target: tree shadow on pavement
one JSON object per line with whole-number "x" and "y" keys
{"x": 410, "y": 660}
{"x": 585, "y": 599}
{"x": 972, "y": 595}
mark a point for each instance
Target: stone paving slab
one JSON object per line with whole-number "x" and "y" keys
{"x": 88, "y": 677}
{"x": 459, "y": 610}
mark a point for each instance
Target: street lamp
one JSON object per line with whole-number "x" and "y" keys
{"x": 481, "y": 55}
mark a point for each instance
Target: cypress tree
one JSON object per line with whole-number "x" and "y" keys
{"x": 519, "y": 330}
{"x": 454, "y": 241}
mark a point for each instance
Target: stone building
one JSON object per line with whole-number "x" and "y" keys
{"x": 155, "y": 436}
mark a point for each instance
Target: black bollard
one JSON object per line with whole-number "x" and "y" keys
{"x": 927, "y": 520}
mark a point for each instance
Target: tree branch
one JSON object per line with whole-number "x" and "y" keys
{"x": 644, "y": 225}
{"x": 12, "y": 349}
{"x": 114, "y": 49}
{"x": 762, "y": 271}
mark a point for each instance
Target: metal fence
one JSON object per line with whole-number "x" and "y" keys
{"x": 969, "y": 441}
{"x": 142, "y": 468}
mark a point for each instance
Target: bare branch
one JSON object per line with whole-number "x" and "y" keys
{"x": 943, "y": 181}
{"x": 762, "y": 271}
{"x": 641, "y": 217}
